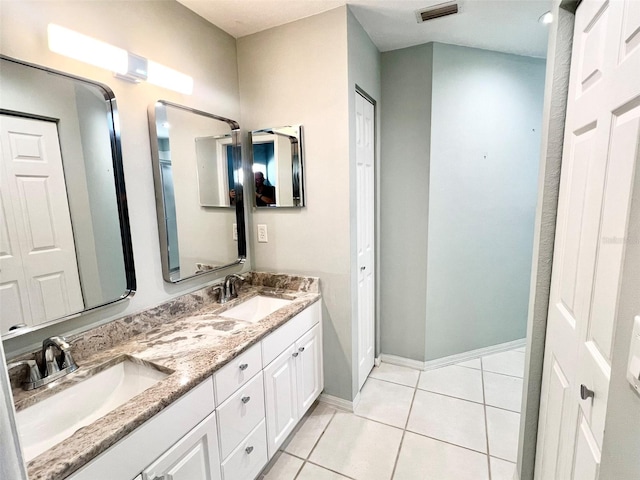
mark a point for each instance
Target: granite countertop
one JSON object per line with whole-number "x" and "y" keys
{"x": 185, "y": 336}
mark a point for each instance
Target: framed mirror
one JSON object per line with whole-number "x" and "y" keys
{"x": 64, "y": 229}
{"x": 277, "y": 163}
{"x": 199, "y": 196}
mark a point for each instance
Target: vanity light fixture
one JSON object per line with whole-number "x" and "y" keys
{"x": 123, "y": 64}
{"x": 546, "y": 18}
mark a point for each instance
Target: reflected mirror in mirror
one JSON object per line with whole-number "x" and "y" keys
{"x": 197, "y": 173}
{"x": 64, "y": 229}
{"x": 277, "y": 155}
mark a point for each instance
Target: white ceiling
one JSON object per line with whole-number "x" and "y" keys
{"x": 503, "y": 25}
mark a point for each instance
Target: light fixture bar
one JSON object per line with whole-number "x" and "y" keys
{"x": 123, "y": 64}
{"x": 86, "y": 49}
{"x": 169, "y": 78}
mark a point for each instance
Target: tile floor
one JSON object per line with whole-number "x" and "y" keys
{"x": 458, "y": 422}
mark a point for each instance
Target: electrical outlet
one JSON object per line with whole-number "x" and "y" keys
{"x": 262, "y": 233}
{"x": 235, "y": 232}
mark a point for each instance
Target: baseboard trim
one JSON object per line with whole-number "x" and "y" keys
{"x": 401, "y": 361}
{"x": 340, "y": 403}
{"x": 451, "y": 359}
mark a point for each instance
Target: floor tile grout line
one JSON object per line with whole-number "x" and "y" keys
{"x": 486, "y": 423}
{"x": 449, "y": 443}
{"x": 404, "y": 430}
{"x": 470, "y": 401}
{"x": 305, "y": 460}
{"x": 394, "y": 383}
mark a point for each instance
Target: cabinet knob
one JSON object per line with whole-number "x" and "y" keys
{"x": 586, "y": 393}
{"x": 301, "y": 349}
{"x": 248, "y": 449}
{"x": 244, "y": 366}
{"x": 295, "y": 354}
{"x": 245, "y": 399}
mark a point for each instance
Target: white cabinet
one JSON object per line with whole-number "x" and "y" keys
{"x": 194, "y": 457}
{"x": 281, "y": 398}
{"x": 248, "y": 459}
{"x": 292, "y": 383}
{"x": 257, "y": 409}
{"x": 240, "y": 414}
{"x": 310, "y": 375}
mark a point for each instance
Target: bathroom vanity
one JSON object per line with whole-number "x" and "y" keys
{"x": 229, "y": 383}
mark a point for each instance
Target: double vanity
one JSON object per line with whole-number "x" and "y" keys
{"x": 189, "y": 389}
{"x": 206, "y": 386}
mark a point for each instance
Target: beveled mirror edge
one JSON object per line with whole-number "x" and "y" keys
{"x": 300, "y": 154}
{"x": 121, "y": 199}
{"x": 160, "y": 203}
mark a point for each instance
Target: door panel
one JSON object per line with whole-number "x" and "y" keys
{"x": 309, "y": 369}
{"x": 281, "y": 399}
{"x": 39, "y": 227}
{"x": 601, "y": 151}
{"x": 365, "y": 184}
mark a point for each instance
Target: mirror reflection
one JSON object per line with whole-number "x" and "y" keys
{"x": 277, "y": 156}
{"x": 64, "y": 232}
{"x": 197, "y": 172}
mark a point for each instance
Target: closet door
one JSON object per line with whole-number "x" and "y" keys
{"x": 601, "y": 145}
{"x": 365, "y": 193}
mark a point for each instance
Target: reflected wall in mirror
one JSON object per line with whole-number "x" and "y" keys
{"x": 65, "y": 245}
{"x": 277, "y": 156}
{"x": 198, "y": 179}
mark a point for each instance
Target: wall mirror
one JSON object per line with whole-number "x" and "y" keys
{"x": 65, "y": 244}
{"x": 198, "y": 179}
{"x": 277, "y": 160}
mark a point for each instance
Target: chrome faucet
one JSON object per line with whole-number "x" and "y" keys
{"x": 52, "y": 365}
{"x": 229, "y": 288}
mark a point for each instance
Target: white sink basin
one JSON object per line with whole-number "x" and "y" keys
{"x": 53, "y": 419}
{"x": 256, "y": 308}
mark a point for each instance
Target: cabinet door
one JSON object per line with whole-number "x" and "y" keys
{"x": 194, "y": 457}
{"x": 310, "y": 377}
{"x": 281, "y": 398}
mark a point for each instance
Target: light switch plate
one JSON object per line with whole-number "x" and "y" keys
{"x": 262, "y": 233}
{"x": 633, "y": 366}
{"x": 235, "y": 231}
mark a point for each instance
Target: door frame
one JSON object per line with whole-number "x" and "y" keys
{"x": 554, "y": 113}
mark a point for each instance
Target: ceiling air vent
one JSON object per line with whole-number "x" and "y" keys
{"x": 436, "y": 11}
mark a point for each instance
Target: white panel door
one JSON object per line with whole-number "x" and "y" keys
{"x": 281, "y": 398}
{"x": 39, "y": 227}
{"x": 601, "y": 152}
{"x": 365, "y": 235}
{"x": 310, "y": 377}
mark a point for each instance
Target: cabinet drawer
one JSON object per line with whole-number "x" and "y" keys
{"x": 240, "y": 414}
{"x": 246, "y": 461}
{"x": 237, "y": 372}
{"x": 275, "y": 343}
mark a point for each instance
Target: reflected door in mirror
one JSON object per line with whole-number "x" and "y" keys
{"x": 39, "y": 278}
{"x": 65, "y": 237}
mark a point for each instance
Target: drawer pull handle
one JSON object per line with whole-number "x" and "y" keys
{"x": 166, "y": 476}
{"x": 245, "y": 399}
{"x": 295, "y": 354}
{"x": 301, "y": 349}
{"x": 248, "y": 449}
{"x": 244, "y": 366}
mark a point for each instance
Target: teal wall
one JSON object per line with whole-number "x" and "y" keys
{"x": 461, "y": 143}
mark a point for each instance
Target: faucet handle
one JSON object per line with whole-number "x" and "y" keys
{"x": 34, "y": 371}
